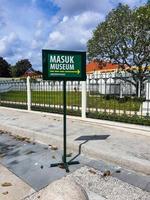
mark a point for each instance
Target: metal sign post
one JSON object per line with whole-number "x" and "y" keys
{"x": 64, "y": 131}
{"x": 64, "y": 65}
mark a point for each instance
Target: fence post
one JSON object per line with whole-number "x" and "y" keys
{"x": 139, "y": 89}
{"x": 83, "y": 110}
{"x": 148, "y": 91}
{"x": 28, "y": 93}
{"x": 121, "y": 92}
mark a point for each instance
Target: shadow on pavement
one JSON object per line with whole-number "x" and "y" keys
{"x": 87, "y": 138}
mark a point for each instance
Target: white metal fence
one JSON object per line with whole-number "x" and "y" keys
{"x": 102, "y": 92}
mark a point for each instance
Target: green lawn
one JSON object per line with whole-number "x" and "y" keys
{"x": 73, "y": 99}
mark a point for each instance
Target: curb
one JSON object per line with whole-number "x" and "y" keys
{"x": 130, "y": 128}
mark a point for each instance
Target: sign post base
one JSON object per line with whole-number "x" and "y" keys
{"x": 65, "y": 165}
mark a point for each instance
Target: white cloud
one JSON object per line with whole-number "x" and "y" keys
{"x": 26, "y": 27}
{"x": 34, "y": 44}
{"x": 78, "y": 19}
{"x": 73, "y": 32}
{"x": 56, "y": 37}
{"x": 75, "y": 7}
{"x": 9, "y": 44}
{"x": 65, "y": 18}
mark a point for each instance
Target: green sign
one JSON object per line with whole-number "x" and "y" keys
{"x": 64, "y": 65}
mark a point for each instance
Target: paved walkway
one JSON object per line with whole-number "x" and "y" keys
{"x": 16, "y": 189}
{"x": 21, "y": 174}
{"x": 24, "y": 176}
{"x": 122, "y": 146}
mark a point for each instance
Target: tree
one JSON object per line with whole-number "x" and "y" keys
{"x": 124, "y": 38}
{"x": 4, "y": 68}
{"x": 21, "y": 67}
{"x": 13, "y": 71}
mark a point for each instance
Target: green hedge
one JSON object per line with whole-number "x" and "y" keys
{"x": 134, "y": 119}
{"x": 56, "y": 110}
{"x": 11, "y": 105}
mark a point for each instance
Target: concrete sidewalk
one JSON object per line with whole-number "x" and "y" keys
{"x": 123, "y": 146}
{"x": 17, "y": 189}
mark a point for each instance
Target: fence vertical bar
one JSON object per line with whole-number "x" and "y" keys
{"x": 83, "y": 112}
{"x": 28, "y": 93}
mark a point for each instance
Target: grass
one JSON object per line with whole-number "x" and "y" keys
{"x": 113, "y": 103}
{"x": 73, "y": 99}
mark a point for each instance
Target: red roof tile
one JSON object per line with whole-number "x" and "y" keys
{"x": 101, "y": 67}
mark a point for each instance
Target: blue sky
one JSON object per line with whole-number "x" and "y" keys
{"x": 28, "y": 26}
